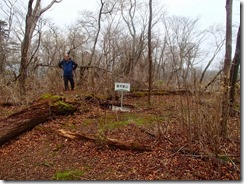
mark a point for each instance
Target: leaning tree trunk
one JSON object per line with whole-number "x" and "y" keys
{"x": 226, "y": 70}
{"x": 234, "y": 69}
{"x": 20, "y": 122}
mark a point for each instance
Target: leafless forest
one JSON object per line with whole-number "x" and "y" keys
{"x": 185, "y": 94}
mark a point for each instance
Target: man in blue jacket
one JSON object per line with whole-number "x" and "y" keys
{"x": 68, "y": 66}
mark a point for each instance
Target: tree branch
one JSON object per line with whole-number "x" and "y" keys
{"x": 49, "y": 6}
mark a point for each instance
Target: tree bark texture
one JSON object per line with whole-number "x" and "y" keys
{"x": 234, "y": 69}
{"x": 32, "y": 17}
{"x": 150, "y": 53}
{"x": 226, "y": 70}
{"x": 20, "y": 122}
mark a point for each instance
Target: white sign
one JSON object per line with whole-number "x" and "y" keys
{"x": 122, "y": 86}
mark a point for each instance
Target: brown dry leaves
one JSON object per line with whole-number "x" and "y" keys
{"x": 40, "y": 153}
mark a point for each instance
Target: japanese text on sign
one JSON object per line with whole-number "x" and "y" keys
{"x": 122, "y": 86}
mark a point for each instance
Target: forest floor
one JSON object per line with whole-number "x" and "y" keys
{"x": 43, "y": 154}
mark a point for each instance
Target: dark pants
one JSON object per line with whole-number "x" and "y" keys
{"x": 69, "y": 78}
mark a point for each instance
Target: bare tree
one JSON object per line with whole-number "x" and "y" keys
{"x": 3, "y": 38}
{"x": 183, "y": 41}
{"x": 133, "y": 50}
{"x": 9, "y": 11}
{"x": 98, "y": 31}
{"x": 150, "y": 52}
{"x": 235, "y": 68}
{"x": 226, "y": 70}
{"x": 32, "y": 17}
{"x": 98, "y": 21}
{"x": 216, "y": 36}
{"x": 7, "y": 7}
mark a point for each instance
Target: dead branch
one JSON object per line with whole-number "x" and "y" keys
{"x": 125, "y": 145}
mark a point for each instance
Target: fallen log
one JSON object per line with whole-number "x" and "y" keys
{"x": 125, "y": 145}
{"x": 159, "y": 92}
{"x": 37, "y": 113}
{"x": 72, "y": 135}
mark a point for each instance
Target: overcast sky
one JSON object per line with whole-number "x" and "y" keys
{"x": 209, "y": 11}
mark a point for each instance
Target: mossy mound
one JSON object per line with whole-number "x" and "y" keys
{"x": 58, "y": 105}
{"x": 48, "y": 96}
{"x": 62, "y": 108}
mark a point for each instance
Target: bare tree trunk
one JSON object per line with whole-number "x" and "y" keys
{"x": 234, "y": 69}
{"x": 213, "y": 80}
{"x": 2, "y": 58}
{"x": 136, "y": 45}
{"x": 23, "y": 64}
{"x": 150, "y": 52}
{"x": 32, "y": 17}
{"x": 98, "y": 31}
{"x": 226, "y": 70}
{"x": 29, "y": 25}
{"x": 210, "y": 61}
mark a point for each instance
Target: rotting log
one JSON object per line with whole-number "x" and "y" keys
{"x": 37, "y": 113}
{"x": 125, "y": 145}
{"x": 159, "y": 92}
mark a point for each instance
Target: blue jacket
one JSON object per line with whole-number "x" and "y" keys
{"x": 68, "y": 66}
